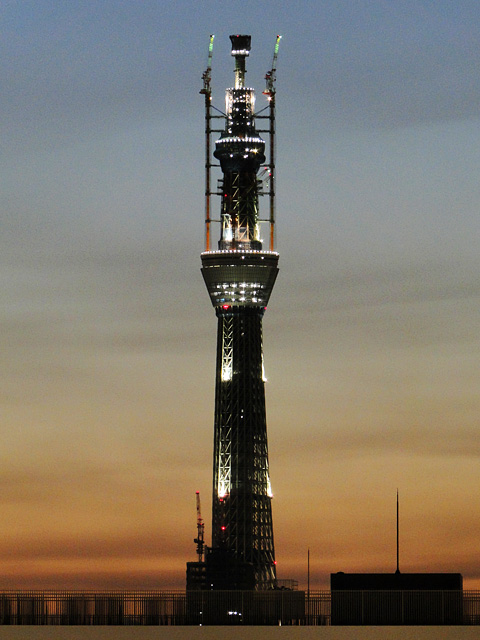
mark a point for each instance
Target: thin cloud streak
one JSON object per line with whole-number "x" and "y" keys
{"x": 453, "y": 441}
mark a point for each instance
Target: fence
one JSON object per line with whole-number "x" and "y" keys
{"x": 280, "y": 607}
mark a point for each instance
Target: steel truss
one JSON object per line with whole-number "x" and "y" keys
{"x": 242, "y": 514}
{"x": 240, "y": 204}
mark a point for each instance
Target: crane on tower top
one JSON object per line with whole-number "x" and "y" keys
{"x": 270, "y": 76}
{"x": 207, "y": 92}
{"x": 207, "y": 74}
{"x": 200, "y": 539}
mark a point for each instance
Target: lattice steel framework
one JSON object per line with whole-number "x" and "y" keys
{"x": 242, "y": 515}
{"x": 240, "y": 276}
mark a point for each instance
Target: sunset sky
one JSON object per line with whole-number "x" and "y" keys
{"x": 108, "y": 338}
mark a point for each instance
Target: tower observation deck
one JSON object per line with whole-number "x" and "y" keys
{"x": 240, "y": 275}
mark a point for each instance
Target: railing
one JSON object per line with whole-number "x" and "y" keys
{"x": 279, "y": 607}
{"x": 397, "y": 607}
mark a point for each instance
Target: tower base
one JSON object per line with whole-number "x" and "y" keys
{"x": 221, "y": 571}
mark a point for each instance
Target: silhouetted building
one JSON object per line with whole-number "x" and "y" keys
{"x": 196, "y": 575}
{"x": 396, "y": 598}
{"x": 221, "y": 570}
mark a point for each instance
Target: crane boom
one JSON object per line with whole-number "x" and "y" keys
{"x": 206, "y": 77}
{"x": 199, "y": 512}
{"x": 200, "y": 539}
{"x": 207, "y": 92}
{"x": 270, "y": 75}
{"x": 270, "y": 78}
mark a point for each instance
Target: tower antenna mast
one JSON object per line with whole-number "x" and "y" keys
{"x": 398, "y": 539}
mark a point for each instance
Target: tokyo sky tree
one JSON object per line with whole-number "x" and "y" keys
{"x": 240, "y": 274}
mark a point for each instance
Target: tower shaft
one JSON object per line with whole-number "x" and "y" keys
{"x": 242, "y": 514}
{"x": 240, "y": 284}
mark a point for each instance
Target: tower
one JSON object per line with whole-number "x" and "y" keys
{"x": 239, "y": 275}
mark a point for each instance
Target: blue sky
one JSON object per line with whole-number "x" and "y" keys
{"x": 108, "y": 339}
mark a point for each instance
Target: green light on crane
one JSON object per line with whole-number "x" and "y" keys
{"x": 270, "y": 77}
{"x": 207, "y": 73}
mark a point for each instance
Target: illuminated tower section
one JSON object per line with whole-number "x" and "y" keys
{"x": 240, "y": 276}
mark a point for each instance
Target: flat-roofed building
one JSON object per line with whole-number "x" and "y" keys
{"x": 396, "y": 598}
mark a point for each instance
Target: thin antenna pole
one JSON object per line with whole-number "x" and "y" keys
{"x": 308, "y": 586}
{"x": 398, "y": 539}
